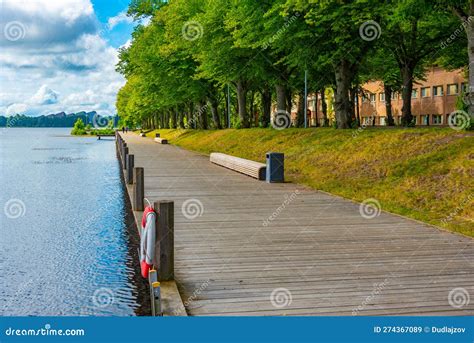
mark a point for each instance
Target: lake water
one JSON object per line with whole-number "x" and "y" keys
{"x": 66, "y": 246}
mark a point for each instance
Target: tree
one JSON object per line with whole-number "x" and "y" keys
{"x": 412, "y": 31}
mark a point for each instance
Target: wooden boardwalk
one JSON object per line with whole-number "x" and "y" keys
{"x": 245, "y": 247}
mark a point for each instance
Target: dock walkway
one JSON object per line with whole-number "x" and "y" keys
{"x": 246, "y": 247}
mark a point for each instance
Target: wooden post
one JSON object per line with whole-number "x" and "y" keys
{"x": 164, "y": 247}
{"x": 122, "y": 154}
{"x": 138, "y": 189}
{"x": 130, "y": 165}
{"x": 125, "y": 157}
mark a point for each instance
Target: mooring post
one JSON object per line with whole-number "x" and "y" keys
{"x": 124, "y": 145}
{"x": 130, "y": 165}
{"x": 138, "y": 189}
{"x": 125, "y": 157}
{"x": 164, "y": 246}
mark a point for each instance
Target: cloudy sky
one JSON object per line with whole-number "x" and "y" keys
{"x": 60, "y": 55}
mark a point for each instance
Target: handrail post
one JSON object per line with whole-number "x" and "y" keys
{"x": 138, "y": 189}
{"x": 125, "y": 157}
{"x": 130, "y": 165}
{"x": 164, "y": 247}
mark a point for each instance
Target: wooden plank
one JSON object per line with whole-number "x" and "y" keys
{"x": 318, "y": 246}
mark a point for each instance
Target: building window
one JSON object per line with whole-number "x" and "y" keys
{"x": 425, "y": 119}
{"x": 437, "y": 119}
{"x": 394, "y": 96}
{"x": 425, "y": 92}
{"x": 364, "y": 98}
{"x": 414, "y": 93}
{"x": 372, "y": 97}
{"x": 453, "y": 89}
{"x": 438, "y": 90}
{"x": 383, "y": 121}
{"x": 464, "y": 88}
{"x": 382, "y": 97}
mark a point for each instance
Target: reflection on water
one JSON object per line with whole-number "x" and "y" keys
{"x": 64, "y": 237}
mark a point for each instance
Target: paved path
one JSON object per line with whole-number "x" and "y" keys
{"x": 254, "y": 248}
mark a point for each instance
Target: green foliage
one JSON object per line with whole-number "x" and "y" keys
{"x": 79, "y": 128}
{"x": 193, "y": 49}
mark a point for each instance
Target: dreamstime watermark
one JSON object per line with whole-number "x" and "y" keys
{"x": 192, "y": 208}
{"x": 288, "y": 200}
{"x": 14, "y": 31}
{"x": 194, "y": 121}
{"x": 458, "y": 32}
{"x": 370, "y": 30}
{"x": 103, "y": 297}
{"x": 192, "y": 297}
{"x": 370, "y": 208}
{"x": 14, "y": 208}
{"x": 281, "y": 120}
{"x": 281, "y": 297}
{"x": 458, "y": 297}
{"x": 281, "y": 31}
{"x": 362, "y": 127}
{"x": 44, "y": 331}
{"x": 459, "y": 120}
{"x": 192, "y": 30}
{"x": 458, "y": 209}
{"x": 376, "y": 291}
{"x": 99, "y": 121}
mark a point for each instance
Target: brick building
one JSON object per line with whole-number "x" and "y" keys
{"x": 432, "y": 99}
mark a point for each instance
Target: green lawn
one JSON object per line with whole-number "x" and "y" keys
{"x": 422, "y": 173}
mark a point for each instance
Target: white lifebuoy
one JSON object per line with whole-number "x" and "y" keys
{"x": 147, "y": 241}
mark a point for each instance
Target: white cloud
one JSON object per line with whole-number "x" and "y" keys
{"x": 61, "y": 53}
{"x": 16, "y": 109}
{"x": 45, "y": 96}
{"x": 119, "y": 18}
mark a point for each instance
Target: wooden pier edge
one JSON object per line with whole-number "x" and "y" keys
{"x": 171, "y": 302}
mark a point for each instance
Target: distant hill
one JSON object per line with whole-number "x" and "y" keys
{"x": 60, "y": 119}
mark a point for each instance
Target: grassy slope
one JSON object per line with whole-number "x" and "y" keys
{"x": 426, "y": 174}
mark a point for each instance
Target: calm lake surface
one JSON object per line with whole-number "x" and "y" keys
{"x": 65, "y": 246}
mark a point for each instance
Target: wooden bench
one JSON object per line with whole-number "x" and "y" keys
{"x": 161, "y": 140}
{"x": 251, "y": 168}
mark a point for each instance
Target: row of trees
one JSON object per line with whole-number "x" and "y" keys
{"x": 199, "y": 59}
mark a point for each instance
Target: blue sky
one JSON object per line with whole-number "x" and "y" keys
{"x": 61, "y": 55}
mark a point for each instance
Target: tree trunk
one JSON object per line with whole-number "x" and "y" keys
{"x": 342, "y": 103}
{"x": 227, "y": 109}
{"x": 357, "y": 106}
{"x": 166, "y": 123}
{"x": 181, "y": 114}
{"x": 191, "y": 121}
{"x": 324, "y": 108}
{"x": 388, "y": 104}
{"x": 215, "y": 112}
{"x": 281, "y": 98}
{"x": 202, "y": 113}
{"x": 242, "y": 100}
{"x": 174, "y": 118}
{"x": 352, "y": 94}
{"x": 316, "y": 110}
{"x": 300, "y": 113}
{"x": 289, "y": 101}
{"x": 253, "y": 116}
{"x": 470, "y": 39}
{"x": 407, "y": 77}
{"x": 266, "y": 106}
